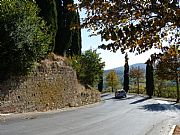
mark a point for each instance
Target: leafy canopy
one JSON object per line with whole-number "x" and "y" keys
{"x": 88, "y": 66}
{"x": 134, "y": 25}
{"x": 168, "y": 65}
{"x": 136, "y": 73}
{"x": 24, "y": 36}
{"x": 112, "y": 80}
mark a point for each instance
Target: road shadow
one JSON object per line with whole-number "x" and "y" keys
{"x": 105, "y": 94}
{"x": 119, "y": 99}
{"x": 127, "y": 98}
{"x": 140, "y": 100}
{"x": 177, "y": 106}
{"x": 160, "y": 107}
{"x": 110, "y": 98}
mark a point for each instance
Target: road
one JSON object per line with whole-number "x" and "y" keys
{"x": 134, "y": 115}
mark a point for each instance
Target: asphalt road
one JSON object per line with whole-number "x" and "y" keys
{"x": 134, "y": 115}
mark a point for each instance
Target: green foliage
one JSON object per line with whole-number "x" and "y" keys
{"x": 112, "y": 80}
{"x": 100, "y": 84}
{"x": 24, "y": 36}
{"x": 134, "y": 89}
{"x": 88, "y": 66}
{"x": 49, "y": 13}
{"x": 164, "y": 88}
{"x": 126, "y": 74}
{"x": 149, "y": 79}
{"x": 75, "y": 48}
{"x": 68, "y": 38}
{"x": 167, "y": 67}
{"x": 134, "y": 25}
{"x": 137, "y": 74}
{"x": 64, "y": 26}
{"x": 64, "y": 33}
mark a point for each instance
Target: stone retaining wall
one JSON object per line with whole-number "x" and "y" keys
{"x": 50, "y": 86}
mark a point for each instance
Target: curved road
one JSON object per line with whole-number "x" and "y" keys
{"x": 134, "y": 115}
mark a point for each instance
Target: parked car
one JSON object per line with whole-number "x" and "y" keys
{"x": 120, "y": 94}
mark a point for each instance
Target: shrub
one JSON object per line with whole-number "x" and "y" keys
{"x": 24, "y": 36}
{"x": 88, "y": 66}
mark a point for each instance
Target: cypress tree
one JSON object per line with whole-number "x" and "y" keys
{"x": 67, "y": 31}
{"x": 61, "y": 32}
{"x": 100, "y": 85}
{"x": 149, "y": 79}
{"x": 65, "y": 37}
{"x": 68, "y": 38}
{"x": 76, "y": 45}
{"x": 60, "y": 22}
{"x": 49, "y": 13}
{"x": 79, "y": 45}
{"x": 126, "y": 74}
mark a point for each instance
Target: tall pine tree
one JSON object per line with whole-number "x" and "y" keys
{"x": 149, "y": 79}
{"x": 126, "y": 74}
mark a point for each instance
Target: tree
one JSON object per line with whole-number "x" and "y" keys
{"x": 100, "y": 84}
{"x": 149, "y": 79}
{"x": 126, "y": 74}
{"x": 136, "y": 73}
{"x": 68, "y": 38}
{"x": 24, "y": 37}
{"x": 75, "y": 48}
{"x": 49, "y": 13}
{"x": 64, "y": 34}
{"x": 134, "y": 25}
{"x": 158, "y": 86}
{"x": 112, "y": 80}
{"x": 167, "y": 67}
{"x": 88, "y": 66}
{"x": 64, "y": 26}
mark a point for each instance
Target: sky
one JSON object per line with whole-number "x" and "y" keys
{"x": 112, "y": 60}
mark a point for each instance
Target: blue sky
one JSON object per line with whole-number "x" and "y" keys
{"x": 112, "y": 60}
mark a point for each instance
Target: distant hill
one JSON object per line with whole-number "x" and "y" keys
{"x": 140, "y": 65}
{"x": 120, "y": 70}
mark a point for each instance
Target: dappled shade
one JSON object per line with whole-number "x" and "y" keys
{"x": 141, "y": 100}
{"x": 161, "y": 107}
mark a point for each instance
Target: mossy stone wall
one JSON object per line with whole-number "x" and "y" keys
{"x": 52, "y": 87}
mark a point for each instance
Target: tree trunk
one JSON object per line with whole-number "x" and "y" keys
{"x": 138, "y": 85}
{"x": 177, "y": 86}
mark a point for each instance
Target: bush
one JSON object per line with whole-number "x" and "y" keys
{"x": 88, "y": 66}
{"x": 24, "y": 36}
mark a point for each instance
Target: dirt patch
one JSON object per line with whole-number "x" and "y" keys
{"x": 177, "y": 130}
